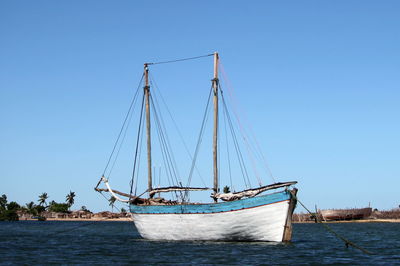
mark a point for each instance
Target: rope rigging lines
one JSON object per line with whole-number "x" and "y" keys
{"x": 236, "y": 145}
{"x": 165, "y": 152}
{"x": 199, "y": 140}
{"x": 228, "y": 153}
{"x": 179, "y": 60}
{"x": 328, "y": 228}
{"x": 165, "y": 147}
{"x": 250, "y": 139}
{"x": 137, "y": 147}
{"x": 156, "y": 90}
{"x": 123, "y": 125}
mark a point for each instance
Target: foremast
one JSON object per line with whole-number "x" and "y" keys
{"x": 215, "y": 135}
{"x": 146, "y": 89}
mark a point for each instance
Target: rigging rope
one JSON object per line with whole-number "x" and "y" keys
{"x": 237, "y": 147}
{"x": 317, "y": 220}
{"x": 205, "y": 118}
{"x": 164, "y": 139}
{"x": 179, "y": 60}
{"x": 227, "y": 151}
{"x": 169, "y": 160}
{"x": 140, "y": 157}
{"x": 120, "y": 146}
{"x": 236, "y": 113}
{"x": 123, "y": 125}
{"x": 243, "y": 134}
{"x": 157, "y": 90}
{"x": 137, "y": 147}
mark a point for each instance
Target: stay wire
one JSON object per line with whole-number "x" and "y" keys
{"x": 137, "y": 146}
{"x": 165, "y": 138}
{"x": 237, "y": 146}
{"x": 205, "y": 118}
{"x": 123, "y": 125}
{"x": 165, "y": 150}
{"x": 317, "y": 220}
{"x": 139, "y": 159}
{"x": 157, "y": 90}
{"x": 227, "y": 150}
{"x": 246, "y": 144}
{"x": 113, "y": 204}
{"x": 252, "y": 137}
{"x": 120, "y": 146}
{"x": 179, "y": 60}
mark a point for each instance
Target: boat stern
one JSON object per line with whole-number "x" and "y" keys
{"x": 287, "y": 234}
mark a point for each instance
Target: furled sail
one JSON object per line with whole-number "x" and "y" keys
{"x": 175, "y": 188}
{"x": 250, "y": 192}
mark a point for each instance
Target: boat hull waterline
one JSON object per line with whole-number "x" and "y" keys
{"x": 262, "y": 218}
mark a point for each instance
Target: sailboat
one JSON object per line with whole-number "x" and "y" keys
{"x": 263, "y": 213}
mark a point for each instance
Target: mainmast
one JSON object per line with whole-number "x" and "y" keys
{"x": 215, "y": 137}
{"x": 147, "y": 96}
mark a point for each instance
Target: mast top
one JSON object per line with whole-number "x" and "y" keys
{"x": 216, "y": 61}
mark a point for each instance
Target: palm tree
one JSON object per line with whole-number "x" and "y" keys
{"x": 43, "y": 198}
{"x": 70, "y": 198}
{"x": 112, "y": 201}
{"x": 3, "y": 201}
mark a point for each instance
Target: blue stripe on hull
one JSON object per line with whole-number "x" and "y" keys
{"x": 212, "y": 207}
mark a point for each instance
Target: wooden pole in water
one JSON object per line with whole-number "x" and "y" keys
{"x": 147, "y": 96}
{"x": 215, "y": 136}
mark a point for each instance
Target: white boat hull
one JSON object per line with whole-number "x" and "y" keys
{"x": 261, "y": 223}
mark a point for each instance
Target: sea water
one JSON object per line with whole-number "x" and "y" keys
{"x": 34, "y": 242}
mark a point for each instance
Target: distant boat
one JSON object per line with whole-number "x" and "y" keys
{"x": 345, "y": 214}
{"x": 246, "y": 215}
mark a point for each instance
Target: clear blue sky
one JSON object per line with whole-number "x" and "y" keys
{"x": 319, "y": 81}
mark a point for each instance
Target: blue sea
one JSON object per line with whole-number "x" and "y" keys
{"x": 33, "y": 242}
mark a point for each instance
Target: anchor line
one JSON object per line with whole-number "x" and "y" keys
{"x": 346, "y": 241}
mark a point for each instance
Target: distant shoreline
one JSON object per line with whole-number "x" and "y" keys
{"x": 127, "y": 219}
{"x": 355, "y": 221}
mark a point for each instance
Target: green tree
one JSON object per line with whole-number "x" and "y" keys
{"x": 9, "y": 215}
{"x": 3, "y": 202}
{"x": 227, "y": 189}
{"x": 8, "y": 212}
{"x": 42, "y": 199}
{"x": 13, "y": 206}
{"x": 111, "y": 203}
{"x": 123, "y": 210}
{"x": 70, "y": 198}
{"x": 58, "y": 207}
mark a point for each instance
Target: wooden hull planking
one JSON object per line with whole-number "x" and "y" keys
{"x": 263, "y": 218}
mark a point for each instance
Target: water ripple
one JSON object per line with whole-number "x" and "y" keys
{"x": 31, "y": 242}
